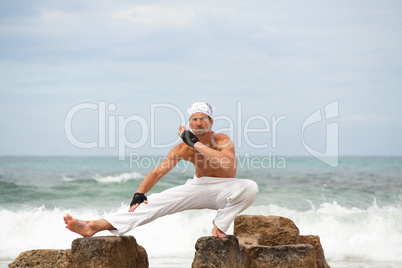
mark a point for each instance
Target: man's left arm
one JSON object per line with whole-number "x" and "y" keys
{"x": 224, "y": 155}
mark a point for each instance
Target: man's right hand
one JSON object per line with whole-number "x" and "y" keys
{"x": 138, "y": 198}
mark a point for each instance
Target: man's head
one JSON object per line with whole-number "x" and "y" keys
{"x": 200, "y": 118}
{"x": 201, "y": 107}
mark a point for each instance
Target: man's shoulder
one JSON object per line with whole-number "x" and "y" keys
{"x": 221, "y": 137}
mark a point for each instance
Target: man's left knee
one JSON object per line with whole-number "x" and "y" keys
{"x": 251, "y": 188}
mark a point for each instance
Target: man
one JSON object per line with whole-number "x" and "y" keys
{"x": 214, "y": 185}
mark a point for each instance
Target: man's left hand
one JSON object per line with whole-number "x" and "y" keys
{"x": 188, "y": 137}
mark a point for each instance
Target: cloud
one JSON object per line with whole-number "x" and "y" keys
{"x": 155, "y": 16}
{"x": 276, "y": 57}
{"x": 370, "y": 120}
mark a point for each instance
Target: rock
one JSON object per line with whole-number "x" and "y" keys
{"x": 314, "y": 240}
{"x": 265, "y": 230}
{"x": 284, "y": 256}
{"x": 227, "y": 253}
{"x": 101, "y": 251}
{"x": 46, "y": 258}
{"x": 108, "y": 251}
{"x": 218, "y": 252}
{"x": 262, "y": 237}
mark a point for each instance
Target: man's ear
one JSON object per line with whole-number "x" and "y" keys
{"x": 211, "y": 121}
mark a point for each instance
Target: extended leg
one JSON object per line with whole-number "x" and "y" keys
{"x": 86, "y": 228}
{"x": 170, "y": 201}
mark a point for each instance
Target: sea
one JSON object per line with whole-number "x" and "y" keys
{"x": 355, "y": 208}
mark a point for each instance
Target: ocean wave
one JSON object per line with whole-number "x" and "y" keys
{"x": 119, "y": 178}
{"x": 67, "y": 179}
{"x": 123, "y": 177}
{"x": 348, "y": 235}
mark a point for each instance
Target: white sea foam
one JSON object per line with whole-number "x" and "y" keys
{"x": 353, "y": 235}
{"x": 67, "y": 179}
{"x": 119, "y": 178}
{"x": 349, "y": 234}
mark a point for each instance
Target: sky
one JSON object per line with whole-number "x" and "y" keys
{"x": 291, "y": 78}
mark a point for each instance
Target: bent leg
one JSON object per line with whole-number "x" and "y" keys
{"x": 241, "y": 194}
{"x": 216, "y": 232}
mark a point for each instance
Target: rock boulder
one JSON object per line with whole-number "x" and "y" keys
{"x": 108, "y": 251}
{"x": 219, "y": 252}
{"x": 284, "y": 256}
{"x": 101, "y": 251}
{"x": 46, "y": 258}
{"x": 265, "y": 230}
{"x": 274, "y": 241}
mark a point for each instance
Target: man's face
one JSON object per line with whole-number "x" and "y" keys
{"x": 200, "y": 124}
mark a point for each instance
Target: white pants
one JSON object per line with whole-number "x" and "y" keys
{"x": 229, "y": 196}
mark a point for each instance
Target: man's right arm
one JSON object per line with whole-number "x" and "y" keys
{"x": 155, "y": 175}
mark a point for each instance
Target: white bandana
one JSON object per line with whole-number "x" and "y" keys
{"x": 201, "y": 107}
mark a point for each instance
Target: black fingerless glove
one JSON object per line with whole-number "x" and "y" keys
{"x": 189, "y": 138}
{"x": 138, "y": 198}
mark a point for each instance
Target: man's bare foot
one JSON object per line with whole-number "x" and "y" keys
{"x": 80, "y": 227}
{"x": 217, "y": 233}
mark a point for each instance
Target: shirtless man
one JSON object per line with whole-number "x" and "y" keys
{"x": 214, "y": 185}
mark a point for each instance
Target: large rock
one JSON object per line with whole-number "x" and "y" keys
{"x": 102, "y": 251}
{"x": 265, "y": 230}
{"x": 46, "y": 258}
{"x": 218, "y": 252}
{"x": 285, "y": 256}
{"x": 273, "y": 241}
{"x": 108, "y": 251}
